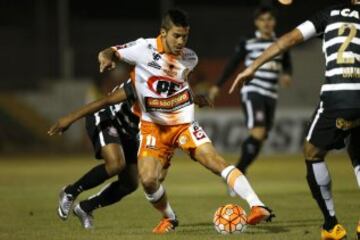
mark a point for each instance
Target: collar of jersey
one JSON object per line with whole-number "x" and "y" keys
{"x": 159, "y": 45}
{"x": 258, "y": 34}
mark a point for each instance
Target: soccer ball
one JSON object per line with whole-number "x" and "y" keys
{"x": 230, "y": 219}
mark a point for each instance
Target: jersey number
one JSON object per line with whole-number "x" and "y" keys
{"x": 340, "y": 56}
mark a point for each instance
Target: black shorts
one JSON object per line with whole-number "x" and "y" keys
{"x": 259, "y": 110}
{"x": 102, "y": 130}
{"x": 328, "y": 129}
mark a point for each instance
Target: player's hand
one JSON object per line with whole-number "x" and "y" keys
{"x": 203, "y": 101}
{"x": 241, "y": 79}
{"x": 213, "y": 92}
{"x": 60, "y": 126}
{"x": 285, "y": 80}
{"x": 105, "y": 61}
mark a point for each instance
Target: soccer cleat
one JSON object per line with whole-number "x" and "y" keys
{"x": 337, "y": 233}
{"x": 165, "y": 225}
{"x": 85, "y": 218}
{"x": 259, "y": 214}
{"x": 65, "y": 204}
{"x": 358, "y": 231}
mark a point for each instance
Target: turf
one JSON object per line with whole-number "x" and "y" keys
{"x": 29, "y": 189}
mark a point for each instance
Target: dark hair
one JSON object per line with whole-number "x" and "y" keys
{"x": 175, "y": 17}
{"x": 263, "y": 10}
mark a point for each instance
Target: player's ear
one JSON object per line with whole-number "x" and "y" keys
{"x": 163, "y": 32}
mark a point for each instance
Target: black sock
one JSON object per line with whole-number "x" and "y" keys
{"x": 110, "y": 195}
{"x": 91, "y": 179}
{"x": 250, "y": 150}
{"x": 319, "y": 181}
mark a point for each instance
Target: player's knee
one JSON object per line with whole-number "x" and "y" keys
{"x": 114, "y": 166}
{"x": 313, "y": 153}
{"x": 149, "y": 181}
{"x": 213, "y": 161}
{"x": 132, "y": 184}
{"x": 259, "y": 133}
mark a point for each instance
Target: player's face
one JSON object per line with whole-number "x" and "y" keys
{"x": 175, "y": 38}
{"x": 265, "y": 23}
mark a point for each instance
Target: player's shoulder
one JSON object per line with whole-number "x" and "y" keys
{"x": 333, "y": 9}
{"x": 189, "y": 55}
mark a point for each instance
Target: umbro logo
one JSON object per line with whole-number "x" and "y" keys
{"x": 154, "y": 65}
{"x": 156, "y": 56}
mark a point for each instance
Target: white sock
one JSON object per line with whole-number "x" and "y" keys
{"x": 169, "y": 212}
{"x": 154, "y": 197}
{"x": 236, "y": 180}
{"x": 357, "y": 173}
{"x": 322, "y": 177}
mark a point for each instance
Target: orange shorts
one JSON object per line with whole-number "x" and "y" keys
{"x": 160, "y": 141}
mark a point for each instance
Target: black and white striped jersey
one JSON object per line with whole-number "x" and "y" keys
{"x": 122, "y": 114}
{"x": 266, "y": 78}
{"x": 339, "y": 27}
{"x": 124, "y": 119}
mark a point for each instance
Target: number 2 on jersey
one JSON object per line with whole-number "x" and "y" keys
{"x": 340, "y": 57}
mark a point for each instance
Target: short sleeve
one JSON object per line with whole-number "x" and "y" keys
{"x": 131, "y": 52}
{"x": 191, "y": 58}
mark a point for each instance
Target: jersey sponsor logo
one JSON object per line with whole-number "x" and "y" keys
{"x": 170, "y": 104}
{"x": 164, "y": 86}
{"x": 347, "y": 12}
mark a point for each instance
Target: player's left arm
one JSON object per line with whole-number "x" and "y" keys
{"x": 115, "y": 97}
{"x": 201, "y": 100}
{"x": 281, "y": 45}
{"x": 285, "y": 77}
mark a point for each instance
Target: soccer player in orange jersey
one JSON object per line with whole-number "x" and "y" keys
{"x": 165, "y": 104}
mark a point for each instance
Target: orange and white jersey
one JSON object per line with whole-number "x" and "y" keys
{"x": 160, "y": 81}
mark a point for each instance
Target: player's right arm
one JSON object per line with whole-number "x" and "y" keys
{"x": 282, "y": 44}
{"x": 129, "y": 53}
{"x": 315, "y": 26}
{"x": 115, "y": 97}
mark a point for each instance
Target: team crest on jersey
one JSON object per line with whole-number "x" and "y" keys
{"x": 197, "y": 131}
{"x": 171, "y": 70}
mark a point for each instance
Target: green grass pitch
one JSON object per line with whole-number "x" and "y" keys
{"x": 29, "y": 189}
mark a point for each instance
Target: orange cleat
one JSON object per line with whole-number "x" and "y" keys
{"x": 165, "y": 225}
{"x": 358, "y": 231}
{"x": 337, "y": 233}
{"x": 259, "y": 214}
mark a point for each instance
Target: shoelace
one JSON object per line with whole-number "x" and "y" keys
{"x": 67, "y": 204}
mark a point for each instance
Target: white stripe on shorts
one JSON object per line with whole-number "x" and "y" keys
{"x": 101, "y": 135}
{"x": 316, "y": 119}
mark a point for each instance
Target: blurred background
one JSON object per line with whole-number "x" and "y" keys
{"x": 49, "y": 65}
